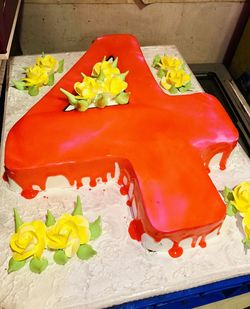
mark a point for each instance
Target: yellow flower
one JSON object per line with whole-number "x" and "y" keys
{"x": 87, "y": 89}
{"x": 36, "y": 76}
{"x": 241, "y": 195}
{"x": 175, "y": 79}
{"x": 49, "y": 63}
{"x": 114, "y": 85}
{"x": 68, "y": 233}
{"x": 106, "y": 67}
{"x": 30, "y": 240}
{"x": 170, "y": 63}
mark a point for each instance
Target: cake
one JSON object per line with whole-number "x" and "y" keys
{"x": 159, "y": 145}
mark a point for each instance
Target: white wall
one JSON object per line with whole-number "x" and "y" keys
{"x": 200, "y": 29}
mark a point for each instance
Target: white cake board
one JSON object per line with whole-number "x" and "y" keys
{"x": 123, "y": 270}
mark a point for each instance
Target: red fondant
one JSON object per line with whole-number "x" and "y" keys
{"x": 162, "y": 143}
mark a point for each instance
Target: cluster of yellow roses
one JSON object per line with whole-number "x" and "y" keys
{"x": 67, "y": 236}
{"x": 40, "y": 74}
{"x": 105, "y": 85}
{"x": 172, "y": 74}
{"x": 238, "y": 201}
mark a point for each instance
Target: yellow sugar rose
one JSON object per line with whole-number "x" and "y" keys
{"x": 87, "y": 89}
{"x": 170, "y": 63}
{"x": 241, "y": 195}
{"x": 68, "y": 233}
{"x": 106, "y": 67}
{"x": 175, "y": 79}
{"x": 29, "y": 240}
{"x": 49, "y": 63}
{"x": 114, "y": 85}
{"x": 36, "y": 76}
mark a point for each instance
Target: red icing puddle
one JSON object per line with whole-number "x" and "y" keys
{"x": 135, "y": 229}
{"x": 175, "y": 251}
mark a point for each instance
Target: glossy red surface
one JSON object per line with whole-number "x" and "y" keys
{"x": 162, "y": 143}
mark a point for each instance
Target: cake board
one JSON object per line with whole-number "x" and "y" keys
{"x": 123, "y": 270}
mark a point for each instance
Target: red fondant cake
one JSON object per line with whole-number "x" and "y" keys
{"x": 162, "y": 143}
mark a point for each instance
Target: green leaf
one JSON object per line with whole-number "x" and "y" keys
{"x": 228, "y": 195}
{"x": 122, "y": 98}
{"x": 161, "y": 73}
{"x": 33, "y": 91}
{"x": 123, "y": 75}
{"x": 18, "y": 220}
{"x": 246, "y": 242}
{"x": 78, "y": 207}
{"x": 51, "y": 79}
{"x": 85, "y": 252}
{"x": 15, "y": 265}
{"x": 50, "y": 219}
{"x": 71, "y": 98}
{"x": 102, "y": 100}
{"x": 95, "y": 228}
{"x": 60, "y": 66}
{"x": 156, "y": 61}
{"x": 231, "y": 210}
{"x": 173, "y": 90}
{"x": 82, "y": 105}
{"x": 114, "y": 64}
{"x": 19, "y": 84}
{"x": 38, "y": 265}
{"x": 60, "y": 257}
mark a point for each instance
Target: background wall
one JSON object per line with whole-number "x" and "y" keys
{"x": 200, "y": 29}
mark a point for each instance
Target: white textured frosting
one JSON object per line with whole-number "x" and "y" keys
{"x": 122, "y": 270}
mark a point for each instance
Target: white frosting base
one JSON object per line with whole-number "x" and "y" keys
{"x": 122, "y": 270}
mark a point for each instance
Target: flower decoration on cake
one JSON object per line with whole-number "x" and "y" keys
{"x": 68, "y": 236}
{"x": 238, "y": 201}
{"x": 106, "y": 86}
{"x": 172, "y": 74}
{"x": 40, "y": 74}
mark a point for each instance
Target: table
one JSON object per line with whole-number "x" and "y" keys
{"x": 122, "y": 271}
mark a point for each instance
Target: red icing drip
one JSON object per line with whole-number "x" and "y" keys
{"x": 29, "y": 193}
{"x": 203, "y": 243}
{"x": 129, "y": 203}
{"x": 135, "y": 229}
{"x": 175, "y": 251}
{"x": 124, "y": 190}
{"x": 5, "y": 176}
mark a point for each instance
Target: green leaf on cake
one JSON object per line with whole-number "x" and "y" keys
{"x": 173, "y": 90}
{"x": 60, "y": 66}
{"x": 161, "y": 73}
{"x": 228, "y": 195}
{"x": 18, "y": 220}
{"x": 78, "y": 207}
{"x": 156, "y": 61}
{"x": 231, "y": 209}
{"x": 19, "y": 84}
{"x": 95, "y": 228}
{"x": 85, "y": 252}
{"x": 246, "y": 242}
{"x": 123, "y": 75}
{"x": 71, "y": 98}
{"x": 82, "y": 105}
{"x": 115, "y": 62}
{"x": 38, "y": 265}
{"x": 50, "y": 219}
{"x": 15, "y": 265}
{"x": 60, "y": 257}
{"x": 33, "y": 91}
{"x": 122, "y": 98}
{"x": 51, "y": 79}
